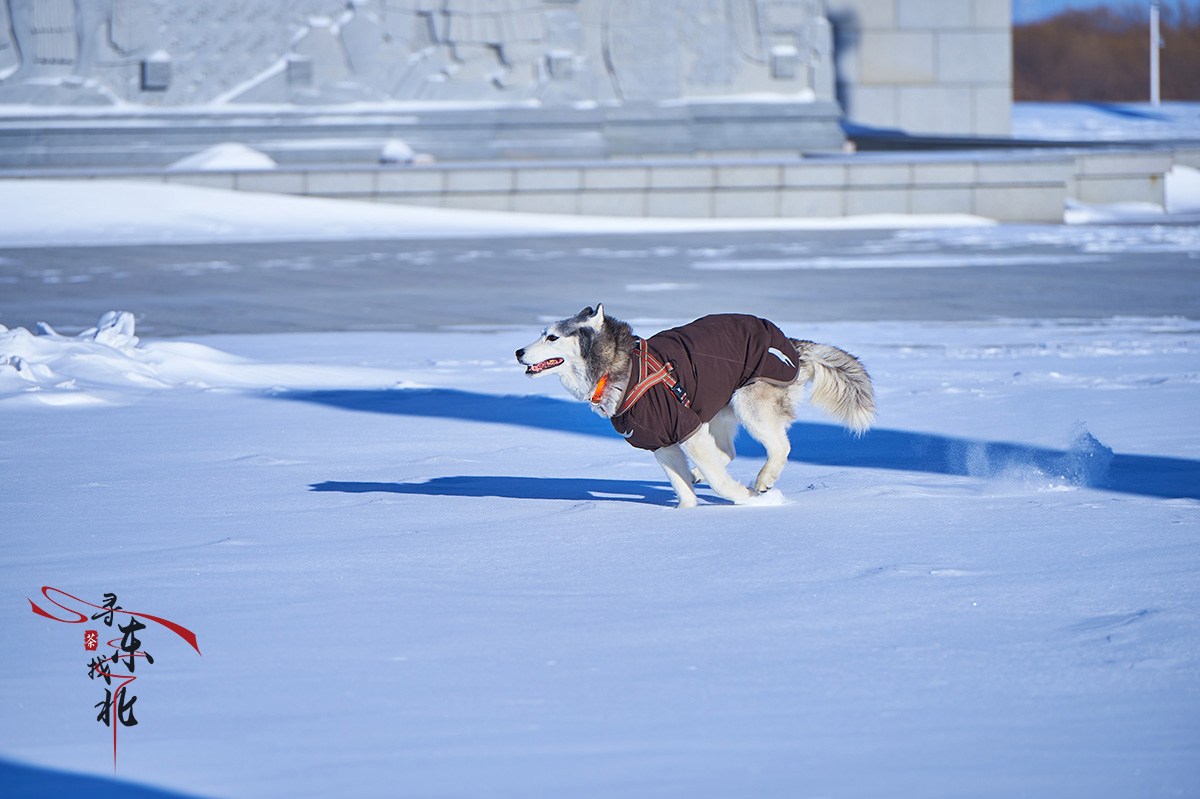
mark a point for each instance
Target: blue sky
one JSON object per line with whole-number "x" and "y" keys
{"x": 1030, "y": 10}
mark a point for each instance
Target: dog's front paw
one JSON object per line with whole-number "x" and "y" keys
{"x": 771, "y": 497}
{"x": 767, "y": 477}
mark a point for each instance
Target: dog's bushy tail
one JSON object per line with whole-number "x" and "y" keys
{"x": 840, "y": 385}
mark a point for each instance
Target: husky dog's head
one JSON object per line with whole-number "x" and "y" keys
{"x": 562, "y": 347}
{"x": 581, "y": 350}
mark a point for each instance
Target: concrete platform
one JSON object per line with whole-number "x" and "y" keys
{"x": 1010, "y": 186}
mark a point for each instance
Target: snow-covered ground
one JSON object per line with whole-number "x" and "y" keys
{"x": 412, "y": 571}
{"x": 1106, "y": 122}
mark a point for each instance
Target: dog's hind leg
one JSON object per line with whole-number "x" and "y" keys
{"x": 766, "y": 411}
{"x": 724, "y": 427}
{"x": 702, "y": 448}
{"x": 675, "y": 464}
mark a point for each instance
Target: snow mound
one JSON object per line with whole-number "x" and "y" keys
{"x": 1183, "y": 190}
{"x": 109, "y": 364}
{"x": 221, "y": 157}
{"x": 398, "y": 151}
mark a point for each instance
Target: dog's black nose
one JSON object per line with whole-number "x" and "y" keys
{"x": 520, "y": 354}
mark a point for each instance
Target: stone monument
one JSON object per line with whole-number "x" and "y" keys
{"x": 470, "y": 78}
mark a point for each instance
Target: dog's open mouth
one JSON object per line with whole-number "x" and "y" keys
{"x": 549, "y": 363}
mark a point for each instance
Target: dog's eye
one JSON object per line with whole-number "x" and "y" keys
{"x": 551, "y": 337}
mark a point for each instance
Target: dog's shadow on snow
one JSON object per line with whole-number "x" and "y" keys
{"x": 579, "y": 489}
{"x": 1086, "y": 462}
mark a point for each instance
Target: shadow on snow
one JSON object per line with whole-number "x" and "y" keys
{"x": 1086, "y": 462}
{"x": 23, "y": 781}
{"x": 571, "y": 488}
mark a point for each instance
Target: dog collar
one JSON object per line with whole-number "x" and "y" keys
{"x": 599, "y": 393}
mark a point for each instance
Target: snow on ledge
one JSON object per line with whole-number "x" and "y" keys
{"x": 67, "y": 213}
{"x": 223, "y": 157}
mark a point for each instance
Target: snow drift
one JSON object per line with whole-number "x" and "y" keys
{"x": 108, "y": 362}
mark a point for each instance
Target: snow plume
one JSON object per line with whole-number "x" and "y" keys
{"x": 1084, "y": 463}
{"x": 109, "y": 364}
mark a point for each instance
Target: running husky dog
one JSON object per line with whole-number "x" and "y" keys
{"x": 681, "y": 393}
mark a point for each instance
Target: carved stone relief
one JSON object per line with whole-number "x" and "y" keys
{"x": 198, "y": 52}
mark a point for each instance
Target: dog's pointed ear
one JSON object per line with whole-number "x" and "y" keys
{"x": 593, "y": 319}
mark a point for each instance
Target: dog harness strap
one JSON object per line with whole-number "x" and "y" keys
{"x": 651, "y": 372}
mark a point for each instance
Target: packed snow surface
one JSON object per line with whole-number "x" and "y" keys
{"x": 412, "y": 571}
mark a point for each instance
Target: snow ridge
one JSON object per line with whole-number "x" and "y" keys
{"x": 108, "y": 363}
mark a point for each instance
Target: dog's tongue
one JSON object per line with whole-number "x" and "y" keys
{"x": 544, "y": 365}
